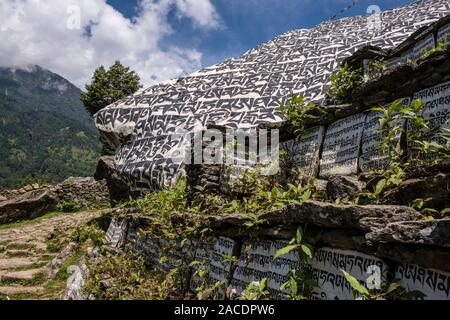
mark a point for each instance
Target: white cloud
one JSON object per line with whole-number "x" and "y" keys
{"x": 36, "y": 32}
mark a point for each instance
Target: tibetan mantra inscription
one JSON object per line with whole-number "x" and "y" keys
{"x": 430, "y": 284}
{"x": 305, "y": 150}
{"x": 257, "y": 263}
{"x": 341, "y": 146}
{"x": 437, "y": 112}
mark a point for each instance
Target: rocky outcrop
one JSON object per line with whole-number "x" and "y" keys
{"x": 28, "y": 206}
{"x": 434, "y": 190}
{"x": 85, "y": 193}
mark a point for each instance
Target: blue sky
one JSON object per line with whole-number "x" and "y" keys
{"x": 159, "y": 39}
{"x": 247, "y": 23}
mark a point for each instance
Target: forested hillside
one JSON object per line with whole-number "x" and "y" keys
{"x": 45, "y": 133}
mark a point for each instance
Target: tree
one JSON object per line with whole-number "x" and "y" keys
{"x": 109, "y": 86}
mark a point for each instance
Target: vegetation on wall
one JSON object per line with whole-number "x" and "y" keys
{"x": 297, "y": 111}
{"x": 343, "y": 82}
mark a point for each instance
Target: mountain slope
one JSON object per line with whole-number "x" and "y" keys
{"x": 45, "y": 132}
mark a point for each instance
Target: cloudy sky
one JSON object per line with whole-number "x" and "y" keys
{"x": 160, "y": 39}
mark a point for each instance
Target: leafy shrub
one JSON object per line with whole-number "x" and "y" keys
{"x": 297, "y": 111}
{"x": 124, "y": 276}
{"x": 441, "y": 46}
{"x": 68, "y": 206}
{"x": 377, "y": 68}
{"x": 344, "y": 82}
{"x": 393, "y": 291}
{"x": 84, "y": 233}
{"x": 300, "y": 282}
{"x": 256, "y": 291}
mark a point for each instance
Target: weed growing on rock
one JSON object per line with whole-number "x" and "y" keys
{"x": 297, "y": 111}
{"x": 344, "y": 82}
{"x": 300, "y": 283}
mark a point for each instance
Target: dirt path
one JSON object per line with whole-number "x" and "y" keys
{"x": 25, "y": 256}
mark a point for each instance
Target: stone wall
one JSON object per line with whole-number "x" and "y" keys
{"x": 378, "y": 244}
{"x": 86, "y": 193}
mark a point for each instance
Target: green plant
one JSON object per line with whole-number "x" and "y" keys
{"x": 297, "y": 111}
{"x": 204, "y": 290}
{"x": 256, "y": 291}
{"x": 300, "y": 283}
{"x": 83, "y": 233}
{"x": 441, "y": 46}
{"x": 377, "y": 67}
{"x": 344, "y": 82}
{"x": 68, "y": 206}
{"x": 393, "y": 291}
{"x": 124, "y": 276}
{"x": 423, "y": 153}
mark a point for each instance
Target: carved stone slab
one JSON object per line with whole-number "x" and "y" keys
{"x": 305, "y": 150}
{"x": 212, "y": 257}
{"x": 371, "y": 158}
{"x": 116, "y": 234}
{"x": 256, "y": 263}
{"x": 434, "y": 284}
{"x": 444, "y": 33}
{"x": 327, "y": 266}
{"x": 426, "y": 44}
{"x": 438, "y": 112}
{"x": 341, "y": 146}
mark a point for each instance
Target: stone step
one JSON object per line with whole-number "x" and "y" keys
{"x": 19, "y": 253}
{"x": 21, "y": 245}
{"x": 25, "y": 275}
{"x": 15, "y": 263}
{"x": 13, "y": 290}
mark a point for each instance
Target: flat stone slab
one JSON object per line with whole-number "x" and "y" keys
{"x": 436, "y": 233}
{"x": 328, "y": 215}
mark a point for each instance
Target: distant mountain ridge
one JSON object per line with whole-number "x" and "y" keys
{"x": 45, "y": 132}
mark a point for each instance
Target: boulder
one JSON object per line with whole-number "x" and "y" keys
{"x": 434, "y": 190}
{"x": 436, "y": 233}
{"x": 343, "y": 187}
{"x": 27, "y": 206}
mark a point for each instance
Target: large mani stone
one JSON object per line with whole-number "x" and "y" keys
{"x": 444, "y": 34}
{"x": 327, "y": 272}
{"x": 433, "y": 284}
{"x": 305, "y": 150}
{"x": 341, "y": 146}
{"x": 437, "y": 112}
{"x": 371, "y": 158}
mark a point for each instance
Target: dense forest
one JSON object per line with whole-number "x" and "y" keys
{"x": 45, "y": 133}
